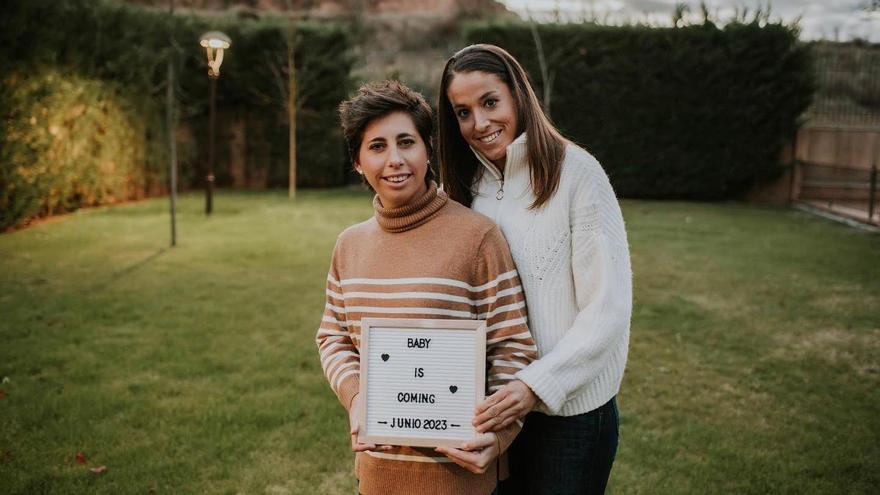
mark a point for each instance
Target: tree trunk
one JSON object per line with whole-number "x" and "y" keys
{"x": 291, "y": 104}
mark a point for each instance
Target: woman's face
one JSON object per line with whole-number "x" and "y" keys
{"x": 486, "y": 113}
{"x": 394, "y": 159}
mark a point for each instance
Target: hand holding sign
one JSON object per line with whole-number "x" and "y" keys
{"x": 353, "y": 414}
{"x": 475, "y": 455}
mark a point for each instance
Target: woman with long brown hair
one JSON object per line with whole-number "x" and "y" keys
{"x": 502, "y": 156}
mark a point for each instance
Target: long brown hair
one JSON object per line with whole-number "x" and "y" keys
{"x": 545, "y": 146}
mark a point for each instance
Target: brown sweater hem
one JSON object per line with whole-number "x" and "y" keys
{"x": 385, "y": 477}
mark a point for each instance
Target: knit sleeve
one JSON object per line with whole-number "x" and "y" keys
{"x": 340, "y": 358}
{"x": 501, "y": 302}
{"x": 598, "y": 338}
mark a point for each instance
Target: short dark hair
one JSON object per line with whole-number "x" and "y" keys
{"x": 376, "y": 100}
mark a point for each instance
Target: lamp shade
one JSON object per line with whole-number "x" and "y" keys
{"x": 214, "y": 43}
{"x": 215, "y": 39}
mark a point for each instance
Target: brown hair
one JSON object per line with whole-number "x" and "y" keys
{"x": 377, "y": 100}
{"x": 545, "y": 146}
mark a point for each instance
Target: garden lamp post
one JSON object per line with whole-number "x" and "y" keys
{"x": 214, "y": 43}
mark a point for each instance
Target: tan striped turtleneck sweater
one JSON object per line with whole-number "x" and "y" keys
{"x": 433, "y": 258}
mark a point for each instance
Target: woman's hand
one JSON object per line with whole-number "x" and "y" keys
{"x": 476, "y": 455}
{"x": 514, "y": 400}
{"x": 356, "y": 427}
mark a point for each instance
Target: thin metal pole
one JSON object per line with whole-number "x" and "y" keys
{"x": 209, "y": 198}
{"x": 169, "y": 117}
{"x": 872, "y": 195}
{"x": 793, "y": 161}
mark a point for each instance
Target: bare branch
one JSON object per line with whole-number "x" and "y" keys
{"x": 542, "y": 62}
{"x": 279, "y": 80}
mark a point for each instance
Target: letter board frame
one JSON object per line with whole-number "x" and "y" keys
{"x": 375, "y": 331}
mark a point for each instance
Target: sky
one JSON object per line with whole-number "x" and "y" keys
{"x": 840, "y": 20}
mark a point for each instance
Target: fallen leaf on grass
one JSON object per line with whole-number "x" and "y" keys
{"x": 98, "y": 469}
{"x": 80, "y": 458}
{"x": 2, "y": 394}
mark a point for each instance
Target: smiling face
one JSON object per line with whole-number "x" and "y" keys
{"x": 486, "y": 113}
{"x": 394, "y": 159}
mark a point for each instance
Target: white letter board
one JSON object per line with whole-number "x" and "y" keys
{"x": 421, "y": 380}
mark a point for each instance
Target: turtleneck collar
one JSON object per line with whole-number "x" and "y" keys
{"x": 516, "y": 158}
{"x": 410, "y": 216}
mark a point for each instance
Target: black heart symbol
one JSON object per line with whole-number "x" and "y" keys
{"x": 385, "y": 357}
{"x": 453, "y": 389}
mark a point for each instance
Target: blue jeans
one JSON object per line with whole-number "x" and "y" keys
{"x": 556, "y": 455}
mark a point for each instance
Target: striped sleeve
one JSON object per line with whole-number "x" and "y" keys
{"x": 340, "y": 358}
{"x": 509, "y": 344}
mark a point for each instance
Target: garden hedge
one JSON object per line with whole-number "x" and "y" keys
{"x": 115, "y": 57}
{"x": 697, "y": 112}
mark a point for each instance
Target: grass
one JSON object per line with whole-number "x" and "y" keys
{"x": 754, "y": 361}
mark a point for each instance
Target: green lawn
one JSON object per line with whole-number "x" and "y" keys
{"x": 754, "y": 360}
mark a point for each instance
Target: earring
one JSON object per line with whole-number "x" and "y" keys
{"x": 429, "y": 162}
{"x": 360, "y": 171}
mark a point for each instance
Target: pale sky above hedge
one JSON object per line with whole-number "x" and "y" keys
{"x": 828, "y": 19}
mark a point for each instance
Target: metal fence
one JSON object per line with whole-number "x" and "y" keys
{"x": 844, "y": 190}
{"x": 839, "y": 143}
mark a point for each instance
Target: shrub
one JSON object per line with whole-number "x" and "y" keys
{"x": 69, "y": 142}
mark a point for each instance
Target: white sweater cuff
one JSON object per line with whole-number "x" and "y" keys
{"x": 543, "y": 385}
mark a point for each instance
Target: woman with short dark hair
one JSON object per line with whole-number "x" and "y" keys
{"x": 421, "y": 255}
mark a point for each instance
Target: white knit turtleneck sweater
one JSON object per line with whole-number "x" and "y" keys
{"x": 573, "y": 260}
